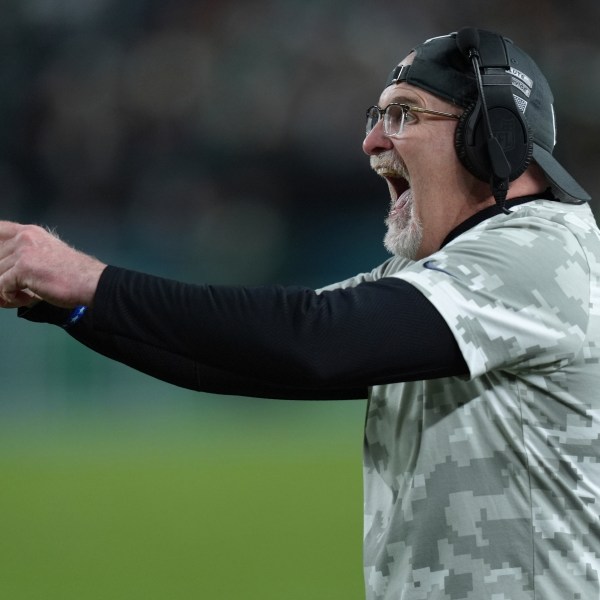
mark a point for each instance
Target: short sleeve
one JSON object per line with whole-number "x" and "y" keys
{"x": 514, "y": 292}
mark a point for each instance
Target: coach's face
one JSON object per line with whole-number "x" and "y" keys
{"x": 429, "y": 188}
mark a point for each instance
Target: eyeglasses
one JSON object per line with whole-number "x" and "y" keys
{"x": 396, "y": 115}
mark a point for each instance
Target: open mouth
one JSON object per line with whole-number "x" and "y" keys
{"x": 397, "y": 184}
{"x": 395, "y": 174}
{"x": 399, "y": 187}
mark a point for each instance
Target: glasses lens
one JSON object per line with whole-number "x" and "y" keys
{"x": 393, "y": 120}
{"x": 372, "y": 118}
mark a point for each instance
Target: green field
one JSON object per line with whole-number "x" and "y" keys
{"x": 202, "y": 505}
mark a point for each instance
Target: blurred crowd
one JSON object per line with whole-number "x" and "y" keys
{"x": 222, "y": 139}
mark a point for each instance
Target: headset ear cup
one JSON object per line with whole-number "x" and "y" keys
{"x": 463, "y": 140}
{"x": 518, "y": 169}
{"x": 470, "y": 137}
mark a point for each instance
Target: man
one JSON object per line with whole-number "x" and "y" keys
{"x": 477, "y": 344}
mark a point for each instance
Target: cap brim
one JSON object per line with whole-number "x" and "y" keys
{"x": 568, "y": 189}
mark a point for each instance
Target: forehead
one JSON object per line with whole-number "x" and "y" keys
{"x": 402, "y": 92}
{"x": 406, "y": 93}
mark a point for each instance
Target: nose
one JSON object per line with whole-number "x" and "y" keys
{"x": 376, "y": 141}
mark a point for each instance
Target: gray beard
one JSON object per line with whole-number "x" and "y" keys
{"x": 404, "y": 230}
{"x": 404, "y": 233}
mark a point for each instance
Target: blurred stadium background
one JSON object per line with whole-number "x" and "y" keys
{"x": 209, "y": 141}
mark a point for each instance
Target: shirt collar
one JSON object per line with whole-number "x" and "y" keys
{"x": 492, "y": 211}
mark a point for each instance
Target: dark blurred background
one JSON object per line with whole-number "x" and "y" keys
{"x": 221, "y": 142}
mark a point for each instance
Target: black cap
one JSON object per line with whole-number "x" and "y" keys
{"x": 439, "y": 67}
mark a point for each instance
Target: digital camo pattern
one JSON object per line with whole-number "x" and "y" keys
{"x": 489, "y": 488}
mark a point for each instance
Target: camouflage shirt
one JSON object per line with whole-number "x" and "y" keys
{"x": 488, "y": 487}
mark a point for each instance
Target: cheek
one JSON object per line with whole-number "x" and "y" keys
{"x": 442, "y": 142}
{"x": 439, "y": 159}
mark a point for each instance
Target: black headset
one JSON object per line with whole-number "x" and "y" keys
{"x": 493, "y": 140}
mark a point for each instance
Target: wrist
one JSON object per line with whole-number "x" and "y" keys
{"x": 75, "y": 315}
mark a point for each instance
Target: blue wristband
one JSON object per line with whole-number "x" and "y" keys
{"x": 76, "y": 314}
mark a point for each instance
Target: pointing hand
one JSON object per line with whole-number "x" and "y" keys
{"x": 35, "y": 264}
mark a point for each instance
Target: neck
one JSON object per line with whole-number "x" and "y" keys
{"x": 533, "y": 181}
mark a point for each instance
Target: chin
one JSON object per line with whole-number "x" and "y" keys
{"x": 404, "y": 235}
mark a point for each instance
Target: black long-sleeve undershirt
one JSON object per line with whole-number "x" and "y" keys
{"x": 271, "y": 341}
{"x": 268, "y": 341}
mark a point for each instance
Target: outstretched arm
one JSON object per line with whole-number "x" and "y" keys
{"x": 375, "y": 333}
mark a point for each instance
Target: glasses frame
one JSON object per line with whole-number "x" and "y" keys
{"x": 405, "y": 108}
